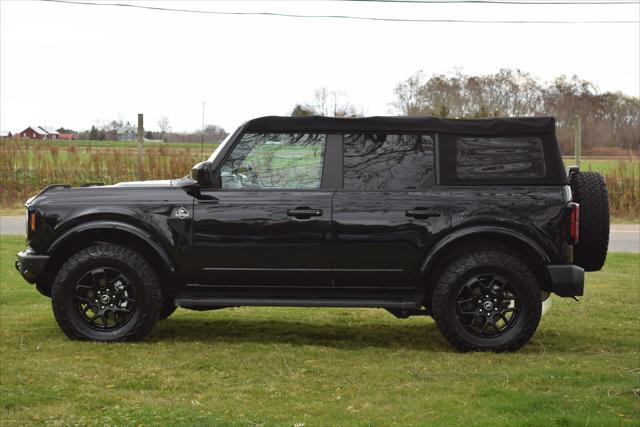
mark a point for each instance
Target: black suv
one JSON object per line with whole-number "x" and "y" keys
{"x": 473, "y": 222}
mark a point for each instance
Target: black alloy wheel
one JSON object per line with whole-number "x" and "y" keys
{"x": 487, "y": 305}
{"x": 104, "y": 299}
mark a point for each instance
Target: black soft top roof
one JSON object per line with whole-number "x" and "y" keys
{"x": 500, "y": 126}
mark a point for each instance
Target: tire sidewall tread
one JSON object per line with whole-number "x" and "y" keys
{"x": 590, "y": 191}
{"x": 147, "y": 293}
{"x": 452, "y": 279}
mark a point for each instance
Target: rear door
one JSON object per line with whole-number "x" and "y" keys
{"x": 269, "y": 222}
{"x": 389, "y": 213}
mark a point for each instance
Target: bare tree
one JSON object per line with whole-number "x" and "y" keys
{"x": 163, "y": 124}
{"x": 609, "y": 119}
{"x": 407, "y": 93}
{"x": 333, "y": 104}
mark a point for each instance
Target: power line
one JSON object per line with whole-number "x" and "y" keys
{"x": 352, "y": 17}
{"x": 508, "y": 2}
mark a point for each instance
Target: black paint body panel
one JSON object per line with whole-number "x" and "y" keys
{"x": 376, "y": 243}
{"x": 246, "y": 237}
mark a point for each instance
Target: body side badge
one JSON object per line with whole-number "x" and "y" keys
{"x": 182, "y": 213}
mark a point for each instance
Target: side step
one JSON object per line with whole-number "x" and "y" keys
{"x": 206, "y": 303}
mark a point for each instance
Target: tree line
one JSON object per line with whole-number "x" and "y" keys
{"x": 610, "y": 120}
{"x": 118, "y": 129}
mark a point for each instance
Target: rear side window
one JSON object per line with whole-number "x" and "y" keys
{"x": 499, "y": 157}
{"x": 388, "y": 162}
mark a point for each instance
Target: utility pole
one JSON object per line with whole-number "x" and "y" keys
{"x": 202, "y": 135}
{"x": 578, "y": 140}
{"x": 140, "y": 146}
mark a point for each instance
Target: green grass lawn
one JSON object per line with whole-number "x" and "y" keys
{"x": 249, "y": 366}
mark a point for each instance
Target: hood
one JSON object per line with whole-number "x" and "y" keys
{"x": 155, "y": 183}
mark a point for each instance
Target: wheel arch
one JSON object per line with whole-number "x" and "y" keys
{"x": 115, "y": 232}
{"x": 467, "y": 240}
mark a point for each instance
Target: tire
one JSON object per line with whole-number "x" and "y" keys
{"x": 481, "y": 282}
{"x": 106, "y": 292}
{"x": 590, "y": 191}
{"x": 168, "y": 308}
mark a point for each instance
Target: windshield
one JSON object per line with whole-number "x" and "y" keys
{"x": 220, "y": 147}
{"x": 212, "y": 156}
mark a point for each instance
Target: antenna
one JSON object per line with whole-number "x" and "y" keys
{"x": 202, "y": 134}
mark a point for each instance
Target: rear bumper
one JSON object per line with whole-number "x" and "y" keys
{"x": 566, "y": 280}
{"x": 30, "y": 265}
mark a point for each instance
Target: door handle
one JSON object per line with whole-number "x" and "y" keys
{"x": 422, "y": 213}
{"x": 304, "y": 212}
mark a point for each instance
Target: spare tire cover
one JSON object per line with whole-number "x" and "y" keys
{"x": 590, "y": 191}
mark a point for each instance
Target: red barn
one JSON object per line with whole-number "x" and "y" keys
{"x": 38, "y": 132}
{"x": 33, "y": 133}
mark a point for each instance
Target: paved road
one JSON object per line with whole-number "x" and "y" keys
{"x": 624, "y": 237}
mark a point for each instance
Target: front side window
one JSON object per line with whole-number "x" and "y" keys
{"x": 499, "y": 157}
{"x": 388, "y": 162}
{"x": 275, "y": 160}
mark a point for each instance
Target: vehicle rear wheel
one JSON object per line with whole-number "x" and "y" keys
{"x": 106, "y": 292}
{"x": 590, "y": 191}
{"x": 487, "y": 301}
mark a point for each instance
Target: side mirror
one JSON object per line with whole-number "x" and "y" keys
{"x": 201, "y": 173}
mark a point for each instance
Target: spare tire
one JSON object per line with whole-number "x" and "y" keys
{"x": 590, "y": 191}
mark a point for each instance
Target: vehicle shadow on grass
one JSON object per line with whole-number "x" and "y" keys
{"x": 419, "y": 334}
{"x": 422, "y": 335}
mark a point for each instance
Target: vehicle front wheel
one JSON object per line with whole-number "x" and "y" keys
{"x": 106, "y": 292}
{"x": 487, "y": 301}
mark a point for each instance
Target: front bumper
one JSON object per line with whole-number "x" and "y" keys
{"x": 566, "y": 280}
{"x": 30, "y": 265}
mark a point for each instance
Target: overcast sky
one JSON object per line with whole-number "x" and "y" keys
{"x": 75, "y": 65}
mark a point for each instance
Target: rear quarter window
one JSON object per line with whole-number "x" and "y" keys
{"x": 480, "y": 158}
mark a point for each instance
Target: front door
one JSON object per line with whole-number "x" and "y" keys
{"x": 269, "y": 222}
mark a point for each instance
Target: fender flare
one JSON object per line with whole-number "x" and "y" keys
{"x": 107, "y": 225}
{"x": 466, "y": 232}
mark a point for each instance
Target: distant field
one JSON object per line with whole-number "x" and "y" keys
{"x": 27, "y": 166}
{"x": 323, "y": 367}
{"x": 604, "y": 165}
{"x": 117, "y": 144}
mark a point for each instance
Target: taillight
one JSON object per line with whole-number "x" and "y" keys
{"x": 574, "y": 223}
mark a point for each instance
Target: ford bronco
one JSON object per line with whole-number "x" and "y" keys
{"x": 472, "y": 222}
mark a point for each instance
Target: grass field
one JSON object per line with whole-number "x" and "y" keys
{"x": 248, "y": 366}
{"x": 602, "y": 165}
